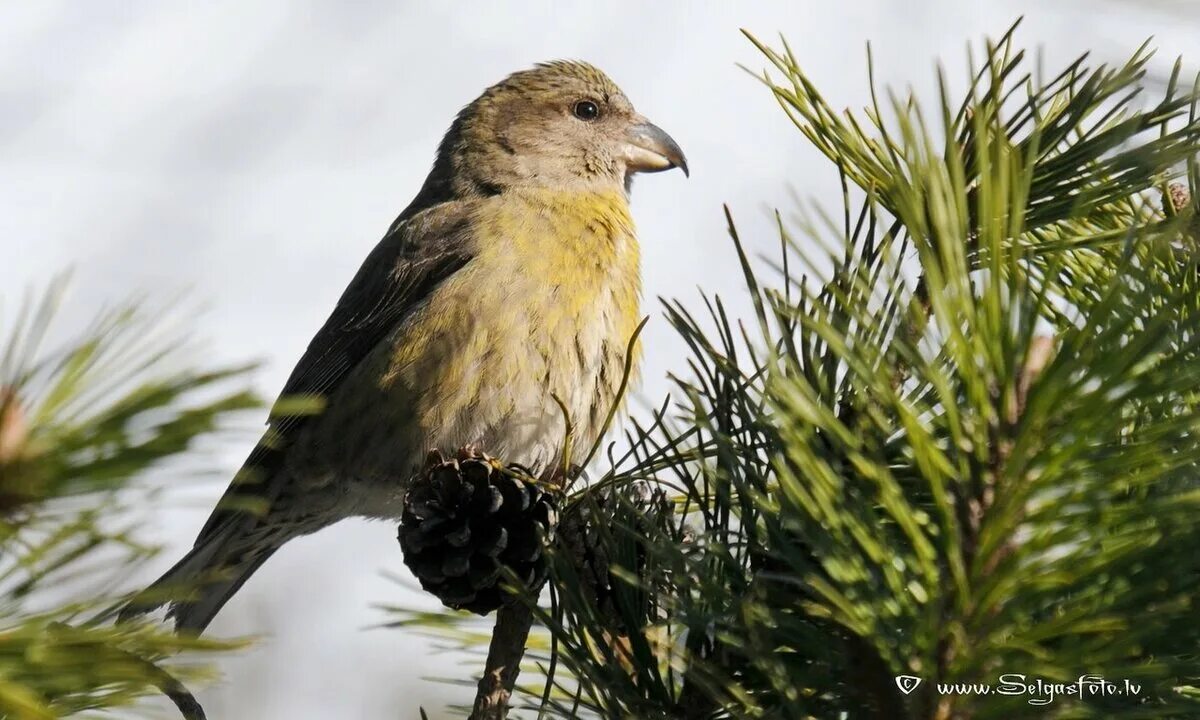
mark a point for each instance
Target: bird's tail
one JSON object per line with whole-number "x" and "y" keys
{"x": 200, "y": 584}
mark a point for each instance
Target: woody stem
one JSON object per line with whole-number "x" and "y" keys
{"x": 503, "y": 662}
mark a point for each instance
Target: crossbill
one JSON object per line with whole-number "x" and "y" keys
{"x": 510, "y": 283}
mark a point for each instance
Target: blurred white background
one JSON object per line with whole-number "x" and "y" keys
{"x": 253, "y": 152}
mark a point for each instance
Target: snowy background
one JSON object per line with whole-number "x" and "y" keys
{"x": 251, "y": 153}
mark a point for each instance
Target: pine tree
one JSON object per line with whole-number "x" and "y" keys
{"x": 958, "y": 446}
{"x": 80, "y": 424}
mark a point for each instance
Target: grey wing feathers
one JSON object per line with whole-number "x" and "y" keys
{"x": 398, "y": 274}
{"x": 417, "y": 254}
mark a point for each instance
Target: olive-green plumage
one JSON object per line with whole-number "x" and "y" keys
{"x": 511, "y": 279}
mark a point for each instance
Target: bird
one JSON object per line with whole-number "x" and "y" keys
{"x": 505, "y": 293}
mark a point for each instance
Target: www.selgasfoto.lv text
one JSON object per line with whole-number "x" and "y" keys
{"x": 1042, "y": 691}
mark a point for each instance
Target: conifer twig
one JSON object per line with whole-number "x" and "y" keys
{"x": 170, "y": 686}
{"x": 503, "y": 662}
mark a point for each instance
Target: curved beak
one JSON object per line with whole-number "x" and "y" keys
{"x": 648, "y": 148}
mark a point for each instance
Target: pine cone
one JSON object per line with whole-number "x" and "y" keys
{"x": 638, "y": 506}
{"x": 467, "y": 519}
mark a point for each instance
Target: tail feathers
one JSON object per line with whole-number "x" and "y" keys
{"x": 200, "y": 584}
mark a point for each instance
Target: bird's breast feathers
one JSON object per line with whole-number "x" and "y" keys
{"x": 544, "y": 310}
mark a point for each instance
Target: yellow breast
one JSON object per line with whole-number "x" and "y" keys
{"x": 546, "y": 309}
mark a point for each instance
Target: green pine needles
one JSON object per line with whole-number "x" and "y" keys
{"x": 80, "y": 422}
{"x": 966, "y": 453}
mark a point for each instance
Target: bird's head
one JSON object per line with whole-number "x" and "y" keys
{"x": 560, "y": 124}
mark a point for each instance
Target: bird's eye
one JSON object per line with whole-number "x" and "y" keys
{"x": 586, "y": 110}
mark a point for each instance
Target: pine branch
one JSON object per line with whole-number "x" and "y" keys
{"x": 507, "y": 647}
{"x": 78, "y": 425}
{"x": 962, "y": 445}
